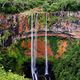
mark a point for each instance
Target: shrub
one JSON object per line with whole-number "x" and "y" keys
{"x": 10, "y": 76}
{"x": 17, "y": 6}
{"x": 12, "y": 58}
{"x": 65, "y": 5}
{"x": 67, "y": 67}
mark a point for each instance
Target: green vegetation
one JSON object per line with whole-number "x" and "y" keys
{"x": 16, "y": 6}
{"x": 67, "y": 67}
{"x": 10, "y": 76}
{"x": 64, "y": 5}
{"x": 11, "y": 59}
{"x": 53, "y": 43}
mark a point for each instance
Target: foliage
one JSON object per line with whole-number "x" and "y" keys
{"x": 53, "y": 43}
{"x": 65, "y": 5}
{"x": 67, "y": 67}
{"x": 16, "y": 6}
{"x": 54, "y": 7}
{"x": 53, "y": 20}
{"x": 5, "y": 36}
{"x": 12, "y": 57}
{"x": 46, "y": 6}
{"x": 10, "y": 76}
{"x": 17, "y": 52}
{"x": 9, "y": 63}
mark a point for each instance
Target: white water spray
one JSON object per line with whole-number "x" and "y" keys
{"x": 35, "y": 46}
{"x": 32, "y": 54}
{"x": 33, "y": 50}
{"x": 46, "y": 53}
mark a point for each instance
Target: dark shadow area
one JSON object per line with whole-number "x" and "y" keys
{"x": 40, "y": 70}
{"x": 8, "y": 42}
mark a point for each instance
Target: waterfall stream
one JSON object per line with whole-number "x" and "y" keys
{"x": 32, "y": 54}
{"x": 35, "y": 46}
{"x": 47, "y": 77}
{"x": 34, "y": 49}
{"x": 46, "y": 53}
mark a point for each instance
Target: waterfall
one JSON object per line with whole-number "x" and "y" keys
{"x": 35, "y": 46}
{"x": 32, "y": 55}
{"x": 47, "y": 77}
{"x": 33, "y": 50}
{"x": 46, "y": 53}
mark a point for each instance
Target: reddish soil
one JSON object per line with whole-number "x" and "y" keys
{"x": 62, "y": 45}
{"x": 40, "y": 48}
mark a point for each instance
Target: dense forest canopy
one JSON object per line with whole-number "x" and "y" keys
{"x": 14, "y": 6}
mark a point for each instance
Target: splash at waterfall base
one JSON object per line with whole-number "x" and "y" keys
{"x": 40, "y": 67}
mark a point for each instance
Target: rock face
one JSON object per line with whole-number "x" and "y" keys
{"x": 62, "y": 47}
{"x": 20, "y": 23}
{"x": 23, "y": 23}
{"x": 40, "y": 48}
{"x": 16, "y": 23}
